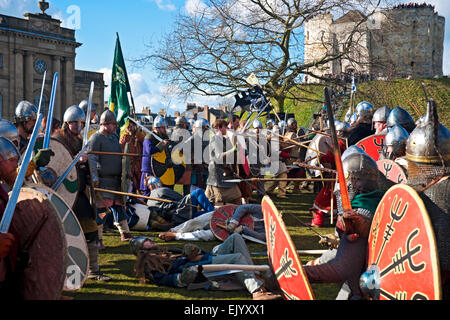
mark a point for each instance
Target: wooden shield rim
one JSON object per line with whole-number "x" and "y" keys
{"x": 36, "y": 187}
{"x": 61, "y": 230}
{"x": 368, "y": 138}
{"x": 394, "y": 163}
{"x": 429, "y": 231}
{"x": 269, "y": 201}
{"x": 211, "y": 226}
{"x": 75, "y": 168}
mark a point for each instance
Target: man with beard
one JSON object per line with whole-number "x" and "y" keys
{"x": 106, "y": 173}
{"x": 363, "y": 127}
{"x": 69, "y": 135}
{"x": 25, "y": 119}
{"x": 131, "y": 142}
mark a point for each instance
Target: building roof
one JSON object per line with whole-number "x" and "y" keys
{"x": 351, "y": 16}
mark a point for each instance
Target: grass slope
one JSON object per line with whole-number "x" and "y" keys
{"x": 403, "y": 93}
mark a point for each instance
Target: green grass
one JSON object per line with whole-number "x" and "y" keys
{"x": 391, "y": 93}
{"x": 118, "y": 262}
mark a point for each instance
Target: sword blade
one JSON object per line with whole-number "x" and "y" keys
{"x": 48, "y": 129}
{"x": 88, "y": 115}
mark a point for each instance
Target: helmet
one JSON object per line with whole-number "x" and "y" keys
{"x": 351, "y": 150}
{"x": 153, "y": 183}
{"x": 420, "y": 146}
{"x": 270, "y": 122}
{"x": 108, "y": 117}
{"x": 364, "y": 111}
{"x": 363, "y": 170}
{"x": 74, "y": 113}
{"x": 9, "y": 131}
{"x": 191, "y": 123}
{"x": 396, "y": 137}
{"x": 159, "y": 122}
{"x": 291, "y": 121}
{"x": 8, "y": 150}
{"x": 381, "y": 114}
{"x": 353, "y": 118}
{"x": 282, "y": 124}
{"x": 84, "y": 106}
{"x": 25, "y": 111}
{"x": 339, "y": 125}
{"x": 401, "y": 117}
{"x": 257, "y": 124}
{"x": 201, "y": 123}
{"x": 180, "y": 121}
{"x": 137, "y": 243}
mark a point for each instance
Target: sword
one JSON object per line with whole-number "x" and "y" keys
{"x": 146, "y": 130}
{"x": 11, "y": 205}
{"x": 346, "y": 204}
{"x": 48, "y": 129}
{"x": 301, "y": 252}
{"x": 279, "y": 179}
{"x": 88, "y": 116}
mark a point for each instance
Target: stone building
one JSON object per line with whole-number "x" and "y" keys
{"x": 30, "y": 46}
{"x": 405, "y": 41}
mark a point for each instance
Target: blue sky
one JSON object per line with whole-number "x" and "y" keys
{"x": 138, "y": 22}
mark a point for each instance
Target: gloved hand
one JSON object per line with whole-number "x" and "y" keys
{"x": 330, "y": 241}
{"x": 231, "y": 225}
{"x": 191, "y": 251}
{"x": 6, "y": 242}
{"x": 188, "y": 275}
{"x": 42, "y": 158}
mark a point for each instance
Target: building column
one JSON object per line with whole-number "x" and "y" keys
{"x": 28, "y": 76}
{"x": 18, "y": 77}
{"x": 56, "y": 67}
{"x": 68, "y": 79}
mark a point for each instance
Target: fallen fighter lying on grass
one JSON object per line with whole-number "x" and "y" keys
{"x": 180, "y": 268}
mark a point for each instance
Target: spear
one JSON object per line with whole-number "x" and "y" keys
{"x": 279, "y": 179}
{"x": 298, "y": 143}
{"x": 346, "y": 204}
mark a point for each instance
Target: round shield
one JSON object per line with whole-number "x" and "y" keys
{"x": 42, "y": 235}
{"x": 143, "y": 213}
{"x": 321, "y": 143}
{"x": 403, "y": 256}
{"x": 372, "y": 145}
{"x": 77, "y": 250}
{"x": 286, "y": 265}
{"x": 392, "y": 170}
{"x": 58, "y": 164}
{"x": 222, "y": 216}
{"x": 93, "y": 128}
{"x": 168, "y": 175}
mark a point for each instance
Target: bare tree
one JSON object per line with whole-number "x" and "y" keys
{"x": 213, "y": 49}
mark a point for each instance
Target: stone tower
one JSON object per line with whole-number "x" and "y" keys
{"x": 406, "y": 41}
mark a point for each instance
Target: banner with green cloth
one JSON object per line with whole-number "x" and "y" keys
{"x": 120, "y": 86}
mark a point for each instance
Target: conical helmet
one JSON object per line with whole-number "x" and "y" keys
{"x": 9, "y": 131}
{"x": 429, "y": 135}
{"x": 401, "y": 117}
{"x": 108, "y": 117}
{"x": 381, "y": 114}
{"x": 25, "y": 111}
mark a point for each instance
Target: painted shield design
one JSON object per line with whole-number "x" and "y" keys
{"x": 77, "y": 250}
{"x": 403, "y": 256}
{"x": 168, "y": 175}
{"x": 58, "y": 164}
{"x": 372, "y": 145}
{"x": 42, "y": 232}
{"x": 392, "y": 170}
{"x": 220, "y": 218}
{"x": 286, "y": 265}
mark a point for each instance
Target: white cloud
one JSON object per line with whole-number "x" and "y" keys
{"x": 165, "y": 5}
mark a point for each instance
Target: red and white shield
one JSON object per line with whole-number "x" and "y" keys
{"x": 392, "y": 170}
{"x": 222, "y": 216}
{"x": 402, "y": 247}
{"x": 372, "y": 145}
{"x": 286, "y": 265}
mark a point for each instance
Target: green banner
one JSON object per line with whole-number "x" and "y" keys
{"x": 120, "y": 86}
